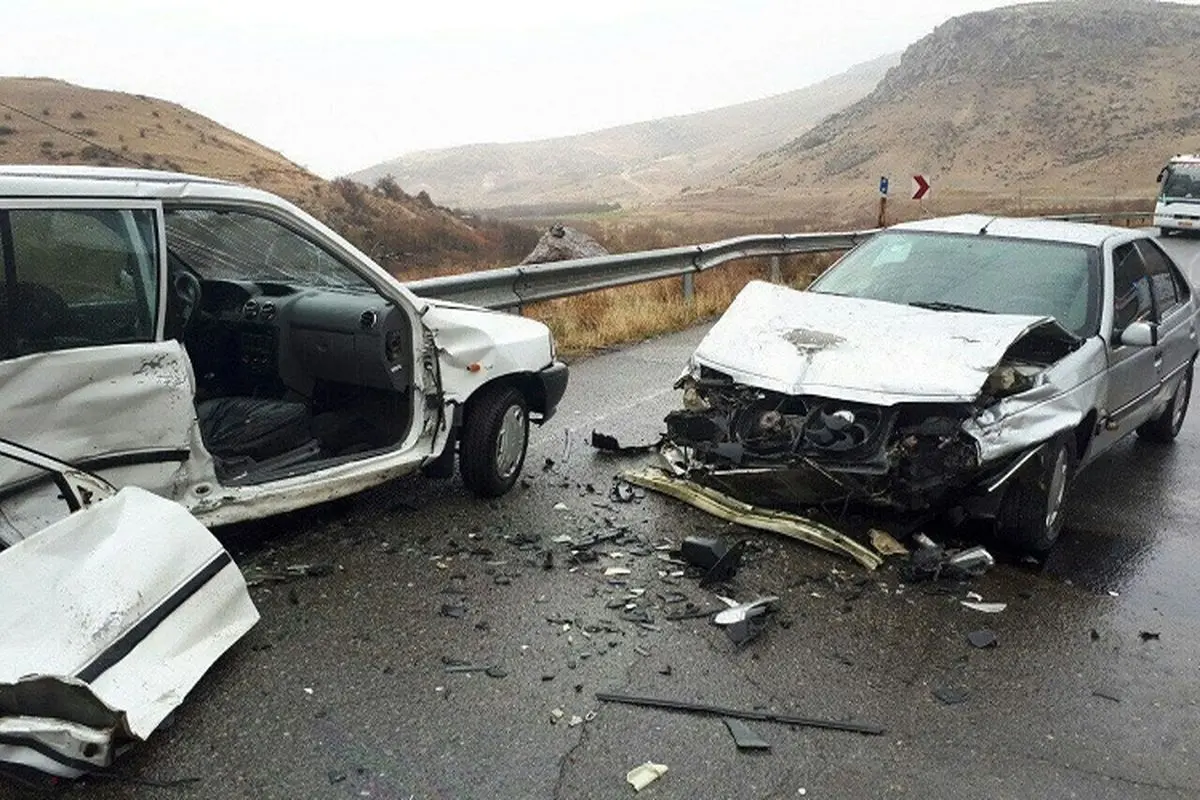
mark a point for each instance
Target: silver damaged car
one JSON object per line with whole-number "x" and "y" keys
{"x": 969, "y": 363}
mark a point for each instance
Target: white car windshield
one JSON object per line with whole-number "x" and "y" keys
{"x": 233, "y": 245}
{"x": 974, "y": 272}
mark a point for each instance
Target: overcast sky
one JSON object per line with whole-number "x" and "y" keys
{"x": 348, "y": 83}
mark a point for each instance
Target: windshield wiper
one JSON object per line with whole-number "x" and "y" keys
{"x": 938, "y": 305}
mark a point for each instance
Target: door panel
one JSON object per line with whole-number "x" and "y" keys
{"x": 1133, "y": 374}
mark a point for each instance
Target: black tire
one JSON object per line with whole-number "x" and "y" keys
{"x": 489, "y": 460}
{"x": 1031, "y": 516}
{"x": 1164, "y": 232}
{"x": 1165, "y": 427}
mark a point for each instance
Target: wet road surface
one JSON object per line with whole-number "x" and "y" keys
{"x": 343, "y": 691}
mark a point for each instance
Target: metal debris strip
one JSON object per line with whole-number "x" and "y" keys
{"x": 732, "y": 510}
{"x": 865, "y": 728}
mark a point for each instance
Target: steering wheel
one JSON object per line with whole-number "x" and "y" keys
{"x": 187, "y": 288}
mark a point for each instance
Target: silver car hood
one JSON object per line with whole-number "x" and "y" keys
{"x": 866, "y": 351}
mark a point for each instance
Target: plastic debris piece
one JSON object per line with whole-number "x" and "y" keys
{"x": 703, "y": 551}
{"x": 743, "y": 611}
{"x": 987, "y": 608}
{"x": 643, "y": 775}
{"x": 561, "y": 507}
{"x": 611, "y": 571}
{"x": 950, "y": 695}
{"x": 971, "y": 562}
{"x": 743, "y": 736}
{"x": 727, "y": 566}
{"x": 982, "y": 638}
{"x": 886, "y": 545}
{"x": 1148, "y": 635}
{"x": 555, "y": 715}
{"x": 574, "y": 721}
{"x": 610, "y": 444}
{"x": 563, "y": 538}
{"x": 622, "y": 491}
{"x": 976, "y": 596}
{"x": 732, "y": 510}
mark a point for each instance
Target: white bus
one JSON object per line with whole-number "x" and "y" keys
{"x": 1178, "y": 206}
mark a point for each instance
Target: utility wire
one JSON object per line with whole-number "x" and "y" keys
{"x": 73, "y": 135}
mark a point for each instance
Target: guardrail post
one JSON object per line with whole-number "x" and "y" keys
{"x": 689, "y": 287}
{"x": 776, "y": 271}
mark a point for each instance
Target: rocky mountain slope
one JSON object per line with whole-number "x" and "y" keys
{"x": 45, "y": 121}
{"x": 1044, "y": 104}
{"x": 626, "y": 165}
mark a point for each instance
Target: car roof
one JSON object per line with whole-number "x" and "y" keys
{"x": 1042, "y": 230}
{"x": 47, "y": 180}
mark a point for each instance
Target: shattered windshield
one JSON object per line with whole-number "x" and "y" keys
{"x": 960, "y": 272}
{"x": 1181, "y": 181}
{"x": 232, "y": 245}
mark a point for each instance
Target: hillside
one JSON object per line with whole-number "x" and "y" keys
{"x": 1037, "y": 106}
{"x": 45, "y": 121}
{"x": 625, "y": 165}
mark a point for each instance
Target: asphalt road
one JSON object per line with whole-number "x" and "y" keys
{"x": 342, "y": 690}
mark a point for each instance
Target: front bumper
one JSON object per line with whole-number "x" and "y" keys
{"x": 552, "y": 383}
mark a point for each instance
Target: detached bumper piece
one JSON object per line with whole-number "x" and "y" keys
{"x": 553, "y": 384}
{"x": 111, "y": 617}
{"x": 727, "y": 508}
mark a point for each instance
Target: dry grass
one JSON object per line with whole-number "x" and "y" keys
{"x": 588, "y": 322}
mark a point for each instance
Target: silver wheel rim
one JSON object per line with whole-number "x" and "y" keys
{"x": 1180, "y": 404}
{"x": 1057, "y": 489}
{"x": 510, "y": 444}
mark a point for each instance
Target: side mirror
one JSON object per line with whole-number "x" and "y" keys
{"x": 1161, "y": 174}
{"x": 1140, "y": 334}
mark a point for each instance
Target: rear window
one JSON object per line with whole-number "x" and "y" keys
{"x": 978, "y": 272}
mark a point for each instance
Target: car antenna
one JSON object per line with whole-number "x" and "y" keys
{"x": 983, "y": 230}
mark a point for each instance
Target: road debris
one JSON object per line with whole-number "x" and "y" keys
{"x": 982, "y": 638}
{"x": 931, "y": 562}
{"x": 743, "y": 736}
{"x": 732, "y": 510}
{"x": 1106, "y": 694}
{"x": 257, "y": 575}
{"x": 721, "y": 711}
{"x": 950, "y": 695}
{"x": 987, "y": 608}
{"x": 610, "y": 444}
{"x": 643, "y": 775}
{"x": 1147, "y": 636}
{"x": 744, "y": 621}
{"x": 886, "y": 544}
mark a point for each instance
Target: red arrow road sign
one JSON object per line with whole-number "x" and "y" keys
{"x": 920, "y": 186}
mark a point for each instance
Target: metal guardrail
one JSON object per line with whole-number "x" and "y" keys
{"x": 513, "y": 287}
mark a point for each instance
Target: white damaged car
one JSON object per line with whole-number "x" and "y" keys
{"x": 216, "y": 345}
{"x": 971, "y": 363}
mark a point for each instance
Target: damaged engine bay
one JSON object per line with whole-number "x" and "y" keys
{"x": 800, "y": 449}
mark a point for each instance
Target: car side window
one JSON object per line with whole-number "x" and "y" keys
{"x": 1131, "y": 289}
{"x": 1164, "y": 284}
{"x": 77, "y": 278}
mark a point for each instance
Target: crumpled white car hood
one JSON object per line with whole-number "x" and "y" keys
{"x": 866, "y": 351}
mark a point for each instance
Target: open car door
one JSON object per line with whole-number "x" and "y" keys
{"x": 112, "y": 615}
{"x": 85, "y": 371}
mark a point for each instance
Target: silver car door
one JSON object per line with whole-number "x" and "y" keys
{"x": 1176, "y": 324}
{"x": 1133, "y": 377}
